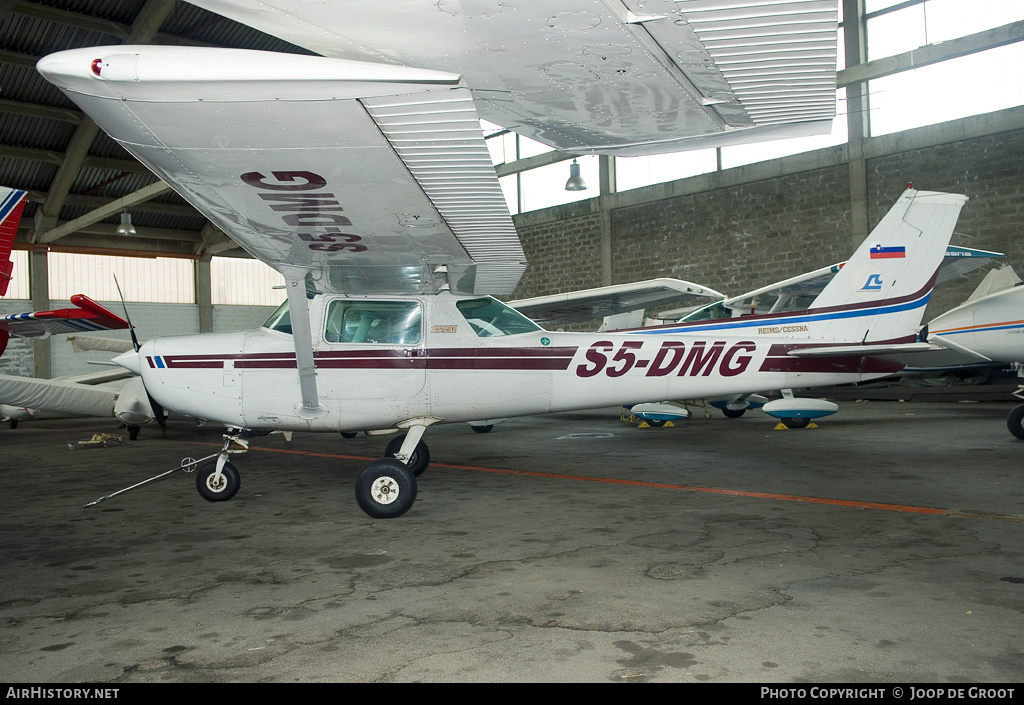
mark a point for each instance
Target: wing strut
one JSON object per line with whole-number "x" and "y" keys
{"x": 298, "y": 309}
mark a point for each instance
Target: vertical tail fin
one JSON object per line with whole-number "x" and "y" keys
{"x": 12, "y": 201}
{"x": 881, "y": 292}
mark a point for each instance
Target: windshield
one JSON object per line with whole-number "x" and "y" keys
{"x": 490, "y": 318}
{"x": 280, "y": 320}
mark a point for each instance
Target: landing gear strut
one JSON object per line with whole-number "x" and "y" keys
{"x": 386, "y": 488}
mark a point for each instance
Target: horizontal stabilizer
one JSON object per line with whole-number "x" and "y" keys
{"x": 863, "y": 350}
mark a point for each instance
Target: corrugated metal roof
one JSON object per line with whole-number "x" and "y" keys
{"x": 38, "y": 123}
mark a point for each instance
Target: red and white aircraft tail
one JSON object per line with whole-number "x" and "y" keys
{"x": 12, "y": 202}
{"x": 87, "y": 316}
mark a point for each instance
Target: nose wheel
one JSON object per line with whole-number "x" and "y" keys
{"x": 217, "y": 487}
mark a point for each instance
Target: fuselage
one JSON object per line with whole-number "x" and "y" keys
{"x": 381, "y": 361}
{"x": 992, "y": 326}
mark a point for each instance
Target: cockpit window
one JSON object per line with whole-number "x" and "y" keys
{"x": 381, "y": 322}
{"x": 490, "y": 318}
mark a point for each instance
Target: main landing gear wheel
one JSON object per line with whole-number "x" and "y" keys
{"x": 420, "y": 455}
{"x": 214, "y": 489}
{"x": 1015, "y": 422}
{"x": 732, "y": 413}
{"x": 386, "y": 488}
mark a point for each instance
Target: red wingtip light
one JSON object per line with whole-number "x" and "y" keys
{"x": 910, "y": 184}
{"x": 97, "y": 65}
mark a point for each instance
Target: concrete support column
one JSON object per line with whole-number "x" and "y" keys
{"x": 607, "y": 178}
{"x": 204, "y": 294}
{"x": 40, "y": 292}
{"x": 856, "y": 120}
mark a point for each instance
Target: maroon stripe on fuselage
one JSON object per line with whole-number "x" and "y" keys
{"x": 401, "y": 358}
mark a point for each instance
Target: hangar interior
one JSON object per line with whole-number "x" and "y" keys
{"x": 881, "y": 550}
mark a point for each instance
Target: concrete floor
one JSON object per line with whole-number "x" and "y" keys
{"x": 603, "y": 560}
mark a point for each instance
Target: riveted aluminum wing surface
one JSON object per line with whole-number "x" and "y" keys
{"x": 302, "y": 160}
{"x": 625, "y": 77}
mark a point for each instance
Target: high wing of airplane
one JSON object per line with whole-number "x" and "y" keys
{"x": 371, "y": 190}
{"x": 625, "y": 77}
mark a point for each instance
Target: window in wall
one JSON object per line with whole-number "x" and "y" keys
{"x": 19, "y": 284}
{"x": 636, "y": 172}
{"x": 510, "y": 187}
{"x": 969, "y": 85}
{"x": 531, "y": 148}
{"x": 500, "y": 143}
{"x": 934, "y": 21}
{"x": 760, "y": 151}
{"x": 159, "y": 280}
{"x": 245, "y": 282}
{"x": 544, "y": 186}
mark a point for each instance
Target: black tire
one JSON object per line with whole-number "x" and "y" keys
{"x": 733, "y": 413}
{"x": 349, "y": 434}
{"x": 225, "y": 489}
{"x": 420, "y": 455}
{"x": 482, "y": 429}
{"x": 14, "y": 423}
{"x": 386, "y": 489}
{"x": 796, "y": 422}
{"x": 656, "y": 423}
{"x": 133, "y": 431}
{"x": 1015, "y": 422}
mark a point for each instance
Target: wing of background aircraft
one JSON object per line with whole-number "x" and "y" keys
{"x": 76, "y": 396}
{"x": 575, "y": 306}
{"x": 622, "y": 77}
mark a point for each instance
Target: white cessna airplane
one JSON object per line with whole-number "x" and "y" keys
{"x": 369, "y": 187}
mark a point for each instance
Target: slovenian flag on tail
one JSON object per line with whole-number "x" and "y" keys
{"x": 897, "y": 252}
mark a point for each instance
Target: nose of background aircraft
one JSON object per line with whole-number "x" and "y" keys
{"x": 131, "y": 361}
